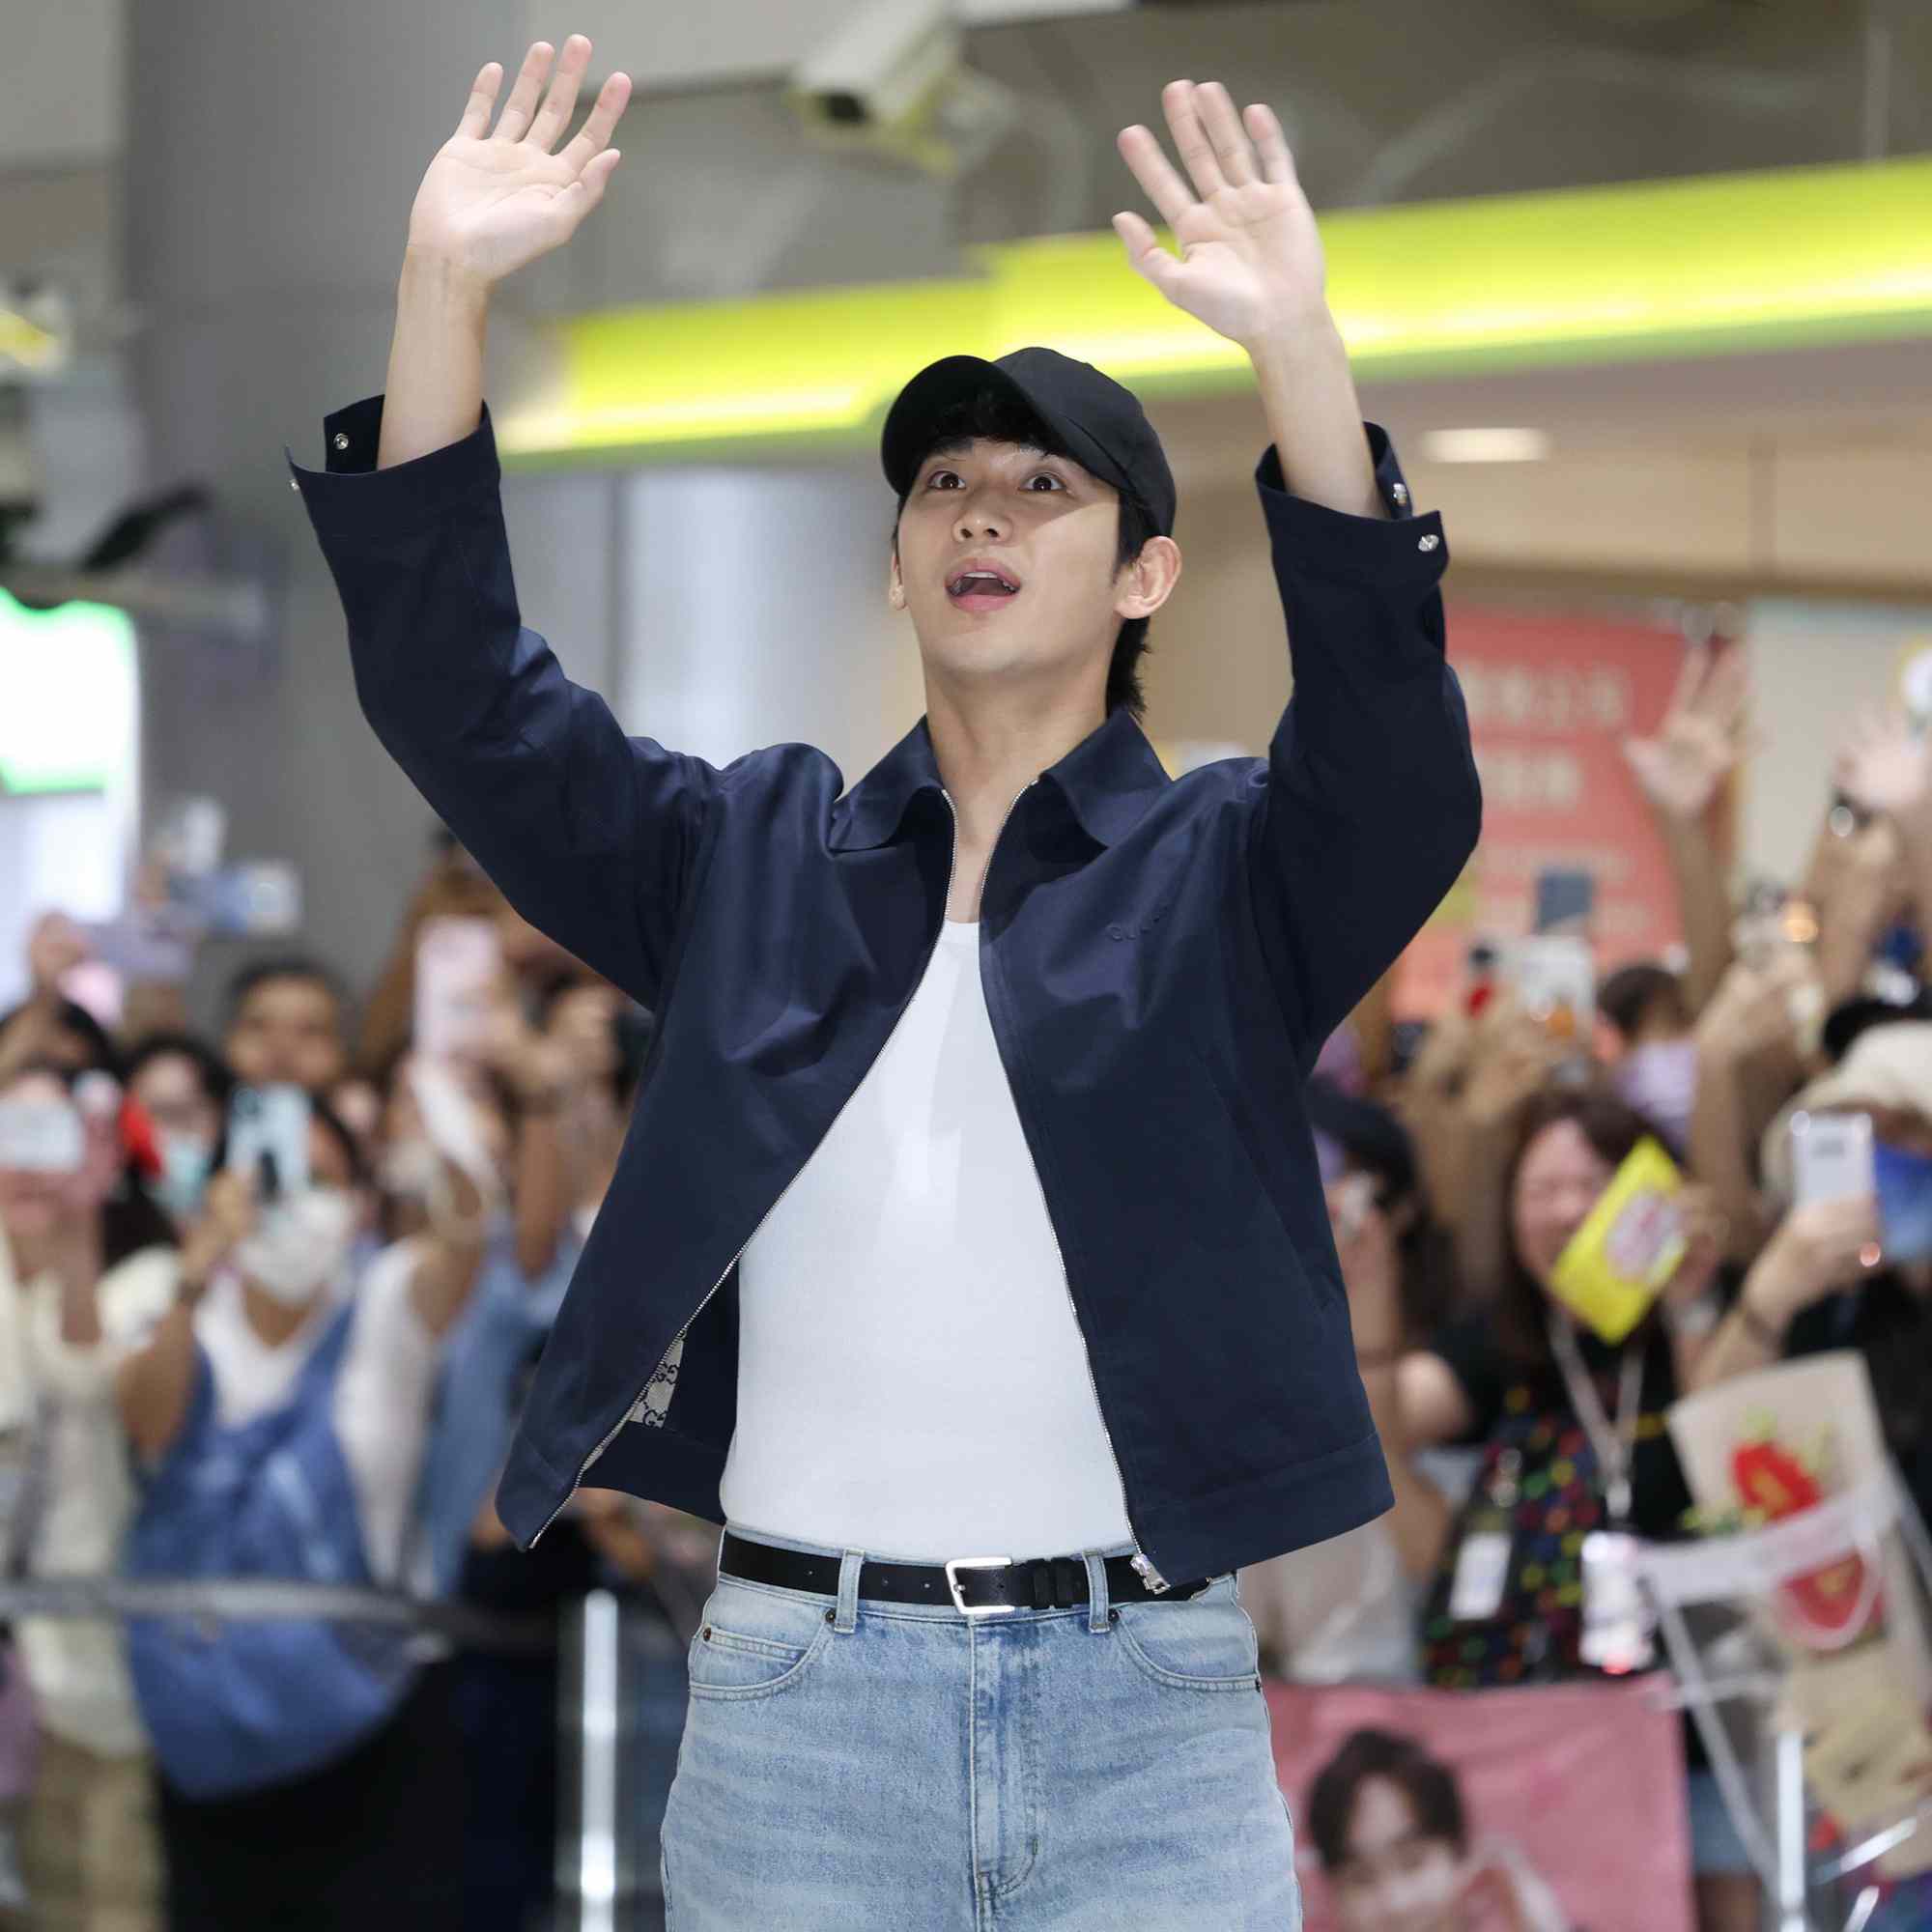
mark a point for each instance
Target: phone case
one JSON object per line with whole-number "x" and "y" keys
{"x": 458, "y": 963}
{"x": 269, "y": 1122}
{"x": 1831, "y": 1157}
{"x": 1619, "y": 1260}
{"x": 1556, "y": 979}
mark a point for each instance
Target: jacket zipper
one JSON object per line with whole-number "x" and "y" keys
{"x": 1140, "y": 1561}
{"x": 631, "y": 1413}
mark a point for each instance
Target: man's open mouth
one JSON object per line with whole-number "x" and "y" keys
{"x": 976, "y": 581}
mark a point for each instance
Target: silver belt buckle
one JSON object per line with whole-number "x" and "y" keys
{"x": 959, "y": 1604}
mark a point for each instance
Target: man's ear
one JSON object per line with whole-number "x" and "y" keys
{"x": 1146, "y": 583}
{"x": 896, "y": 585}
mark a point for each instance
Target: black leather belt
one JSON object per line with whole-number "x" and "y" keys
{"x": 978, "y": 1585}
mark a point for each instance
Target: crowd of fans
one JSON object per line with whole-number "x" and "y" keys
{"x": 199, "y": 1383}
{"x": 1465, "y": 1154}
{"x": 206, "y": 1377}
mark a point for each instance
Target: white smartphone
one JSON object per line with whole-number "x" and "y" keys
{"x": 1830, "y": 1158}
{"x": 42, "y": 1136}
{"x": 268, "y": 1138}
{"x": 458, "y": 964}
{"x": 1554, "y": 975}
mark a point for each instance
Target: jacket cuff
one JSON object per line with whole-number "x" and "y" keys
{"x": 1402, "y": 550}
{"x": 351, "y": 496}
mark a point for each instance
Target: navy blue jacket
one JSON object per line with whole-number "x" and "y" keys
{"x": 1162, "y": 961}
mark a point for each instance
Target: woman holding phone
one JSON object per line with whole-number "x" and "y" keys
{"x": 86, "y": 1267}
{"x": 1534, "y": 1582}
{"x": 1850, "y": 1264}
{"x": 310, "y": 1771}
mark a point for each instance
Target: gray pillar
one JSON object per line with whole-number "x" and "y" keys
{"x": 273, "y": 155}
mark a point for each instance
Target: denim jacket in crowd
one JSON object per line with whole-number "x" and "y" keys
{"x": 1162, "y": 960}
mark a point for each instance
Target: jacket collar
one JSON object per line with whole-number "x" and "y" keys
{"x": 1107, "y": 780}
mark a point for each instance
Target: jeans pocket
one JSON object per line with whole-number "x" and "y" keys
{"x": 1201, "y": 1643}
{"x": 752, "y": 1642}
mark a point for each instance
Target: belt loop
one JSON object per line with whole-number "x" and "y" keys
{"x": 847, "y": 1617}
{"x": 1097, "y": 1591}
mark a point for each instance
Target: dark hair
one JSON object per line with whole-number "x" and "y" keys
{"x": 72, "y": 1018}
{"x": 1425, "y": 1782}
{"x": 132, "y": 1219}
{"x": 1633, "y": 992}
{"x": 290, "y": 966}
{"x": 1377, "y": 1143}
{"x": 635, "y": 1029}
{"x": 216, "y": 1076}
{"x": 1613, "y": 1128}
{"x": 994, "y": 415}
{"x": 1852, "y": 1018}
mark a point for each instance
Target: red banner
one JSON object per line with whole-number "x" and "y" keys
{"x": 1529, "y": 1810}
{"x": 1552, "y": 699}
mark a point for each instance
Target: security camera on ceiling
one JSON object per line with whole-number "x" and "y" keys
{"x": 892, "y": 82}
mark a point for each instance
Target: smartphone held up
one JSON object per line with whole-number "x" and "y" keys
{"x": 1553, "y": 970}
{"x": 459, "y": 965}
{"x": 268, "y": 1138}
{"x": 1840, "y": 1156}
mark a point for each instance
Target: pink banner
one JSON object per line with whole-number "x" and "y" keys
{"x": 1551, "y": 699}
{"x": 1557, "y": 1808}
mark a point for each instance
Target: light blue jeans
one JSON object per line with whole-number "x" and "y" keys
{"x": 851, "y": 1765}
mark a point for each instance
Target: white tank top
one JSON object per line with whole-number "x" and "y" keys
{"x": 911, "y": 1378}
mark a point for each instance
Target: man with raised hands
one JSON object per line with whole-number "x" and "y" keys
{"x": 970, "y": 1204}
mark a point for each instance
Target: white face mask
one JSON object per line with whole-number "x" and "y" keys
{"x": 300, "y": 1244}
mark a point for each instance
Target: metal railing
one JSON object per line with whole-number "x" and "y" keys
{"x": 620, "y": 1704}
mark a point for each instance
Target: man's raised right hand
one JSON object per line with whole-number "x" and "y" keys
{"x": 493, "y": 201}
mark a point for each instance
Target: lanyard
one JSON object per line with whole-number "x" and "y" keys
{"x": 1615, "y": 1449}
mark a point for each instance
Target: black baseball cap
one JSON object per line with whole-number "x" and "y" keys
{"x": 1102, "y": 424}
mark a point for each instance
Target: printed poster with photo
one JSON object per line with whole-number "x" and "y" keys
{"x": 1549, "y": 1808}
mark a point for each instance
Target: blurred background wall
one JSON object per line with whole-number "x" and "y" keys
{"x": 208, "y": 203}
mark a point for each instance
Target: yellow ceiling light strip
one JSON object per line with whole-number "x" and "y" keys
{"x": 1702, "y": 267}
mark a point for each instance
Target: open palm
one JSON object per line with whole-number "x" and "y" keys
{"x": 491, "y": 202}
{"x": 1250, "y": 256}
{"x": 1703, "y": 735}
{"x": 1884, "y": 766}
